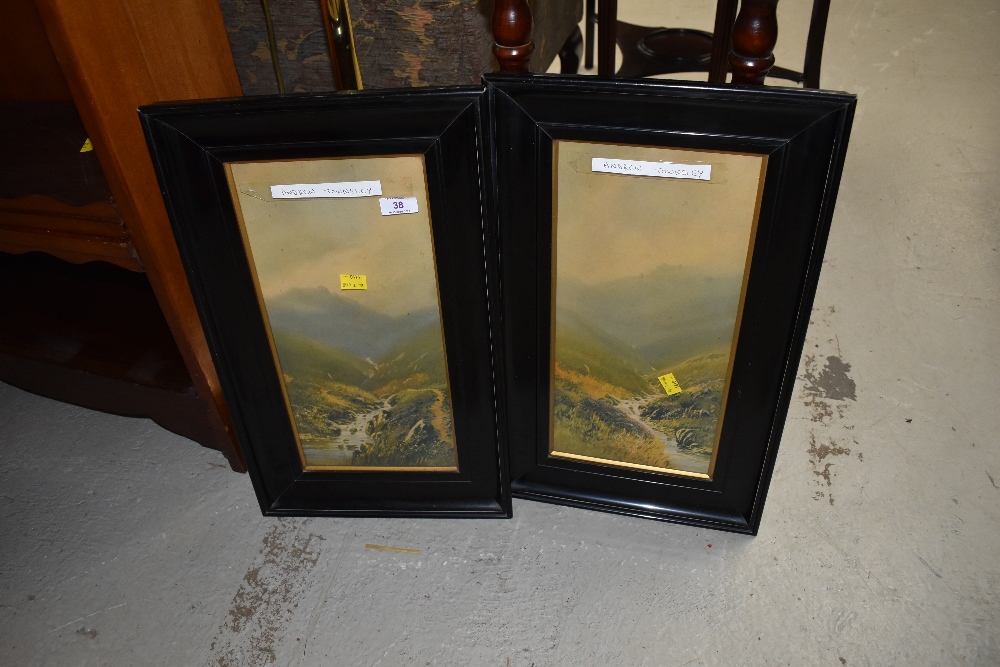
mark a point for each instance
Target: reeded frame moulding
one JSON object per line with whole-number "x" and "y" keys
{"x": 574, "y": 377}
{"x": 286, "y": 378}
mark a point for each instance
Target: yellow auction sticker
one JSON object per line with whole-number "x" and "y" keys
{"x": 669, "y": 383}
{"x": 353, "y": 281}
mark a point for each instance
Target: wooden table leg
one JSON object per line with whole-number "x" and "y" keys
{"x": 814, "y": 44}
{"x": 591, "y": 19}
{"x": 512, "y": 35}
{"x": 722, "y": 40}
{"x": 754, "y": 36}
{"x": 569, "y": 54}
{"x": 607, "y": 36}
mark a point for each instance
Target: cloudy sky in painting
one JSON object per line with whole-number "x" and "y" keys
{"x": 612, "y": 226}
{"x": 308, "y": 243}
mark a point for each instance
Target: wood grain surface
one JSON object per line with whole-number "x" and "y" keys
{"x": 119, "y": 55}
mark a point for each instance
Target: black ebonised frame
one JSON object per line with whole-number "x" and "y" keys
{"x": 190, "y": 144}
{"x": 804, "y": 134}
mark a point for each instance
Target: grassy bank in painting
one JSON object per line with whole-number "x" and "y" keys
{"x": 353, "y": 411}
{"x": 607, "y": 401}
{"x": 607, "y": 409}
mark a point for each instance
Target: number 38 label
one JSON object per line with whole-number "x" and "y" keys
{"x": 397, "y": 205}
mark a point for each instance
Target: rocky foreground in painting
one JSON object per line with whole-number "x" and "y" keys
{"x": 607, "y": 401}
{"x": 352, "y": 411}
{"x": 599, "y": 415}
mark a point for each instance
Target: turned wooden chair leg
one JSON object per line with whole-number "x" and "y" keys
{"x": 754, "y": 35}
{"x": 722, "y": 40}
{"x": 814, "y": 44}
{"x": 607, "y": 36}
{"x": 512, "y": 35}
{"x": 569, "y": 54}
{"x": 591, "y": 22}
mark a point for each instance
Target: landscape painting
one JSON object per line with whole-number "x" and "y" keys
{"x": 649, "y": 277}
{"x": 350, "y": 296}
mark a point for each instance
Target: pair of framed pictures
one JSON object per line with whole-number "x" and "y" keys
{"x": 587, "y": 292}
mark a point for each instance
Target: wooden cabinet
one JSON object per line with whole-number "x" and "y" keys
{"x": 74, "y": 71}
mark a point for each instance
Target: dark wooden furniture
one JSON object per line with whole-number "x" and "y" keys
{"x": 512, "y": 30}
{"x": 93, "y": 334}
{"x": 416, "y": 43}
{"x": 750, "y": 36}
{"x": 52, "y": 196}
{"x": 71, "y": 71}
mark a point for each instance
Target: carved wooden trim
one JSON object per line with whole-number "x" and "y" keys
{"x": 754, "y": 36}
{"x": 512, "y": 35}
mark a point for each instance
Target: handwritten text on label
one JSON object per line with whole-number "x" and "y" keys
{"x": 397, "y": 205}
{"x": 353, "y": 281}
{"x": 697, "y": 172}
{"x": 317, "y": 190}
{"x": 670, "y": 384}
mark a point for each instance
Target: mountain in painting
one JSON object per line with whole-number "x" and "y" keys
{"x": 665, "y": 316}
{"x": 350, "y": 327}
{"x": 416, "y": 364}
{"x": 310, "y": 360}
{"x": 612, "y": 342}
{"x": 584, "y": 350}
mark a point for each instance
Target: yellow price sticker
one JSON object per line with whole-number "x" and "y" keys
{"x": 669, "y": 383}
{"x": 353, "y": 281}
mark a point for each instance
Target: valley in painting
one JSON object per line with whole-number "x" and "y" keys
{"x": 648, "y": 280}
{"x": 607, "y": 401}
{"x": 381, "y": 402}
{"x": 364, "y": 366}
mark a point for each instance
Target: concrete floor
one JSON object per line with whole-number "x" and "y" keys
{"x": 123, "y": 544}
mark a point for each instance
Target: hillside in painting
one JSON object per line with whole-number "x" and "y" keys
{"x": 352, "y": 411}
{"x": 612, "y": 342}
{"x": 330, "y": 318}
{"x": 666, "y": 315}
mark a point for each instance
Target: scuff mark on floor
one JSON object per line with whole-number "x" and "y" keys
{"x": 264, "y": 603}
{"x": 818, "y": 452}
{"x": 827, "y": 391}
{"x": 821, "y": 410}
{"x": 832, "y": 381}
{"x": 928, "y": 566}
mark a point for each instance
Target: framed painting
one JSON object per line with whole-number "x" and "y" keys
{"x": 660, "y": 246}
{"x": 336, "y": 249}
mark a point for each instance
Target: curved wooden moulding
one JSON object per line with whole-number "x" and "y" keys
{"x": 94, "y": 335}
{"x": 77, "y": 234}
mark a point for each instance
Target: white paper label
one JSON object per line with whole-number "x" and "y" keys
{"x": 397, "y": 205}
{"x": 315, "y": 190}
{"x": 697, "y": 172}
